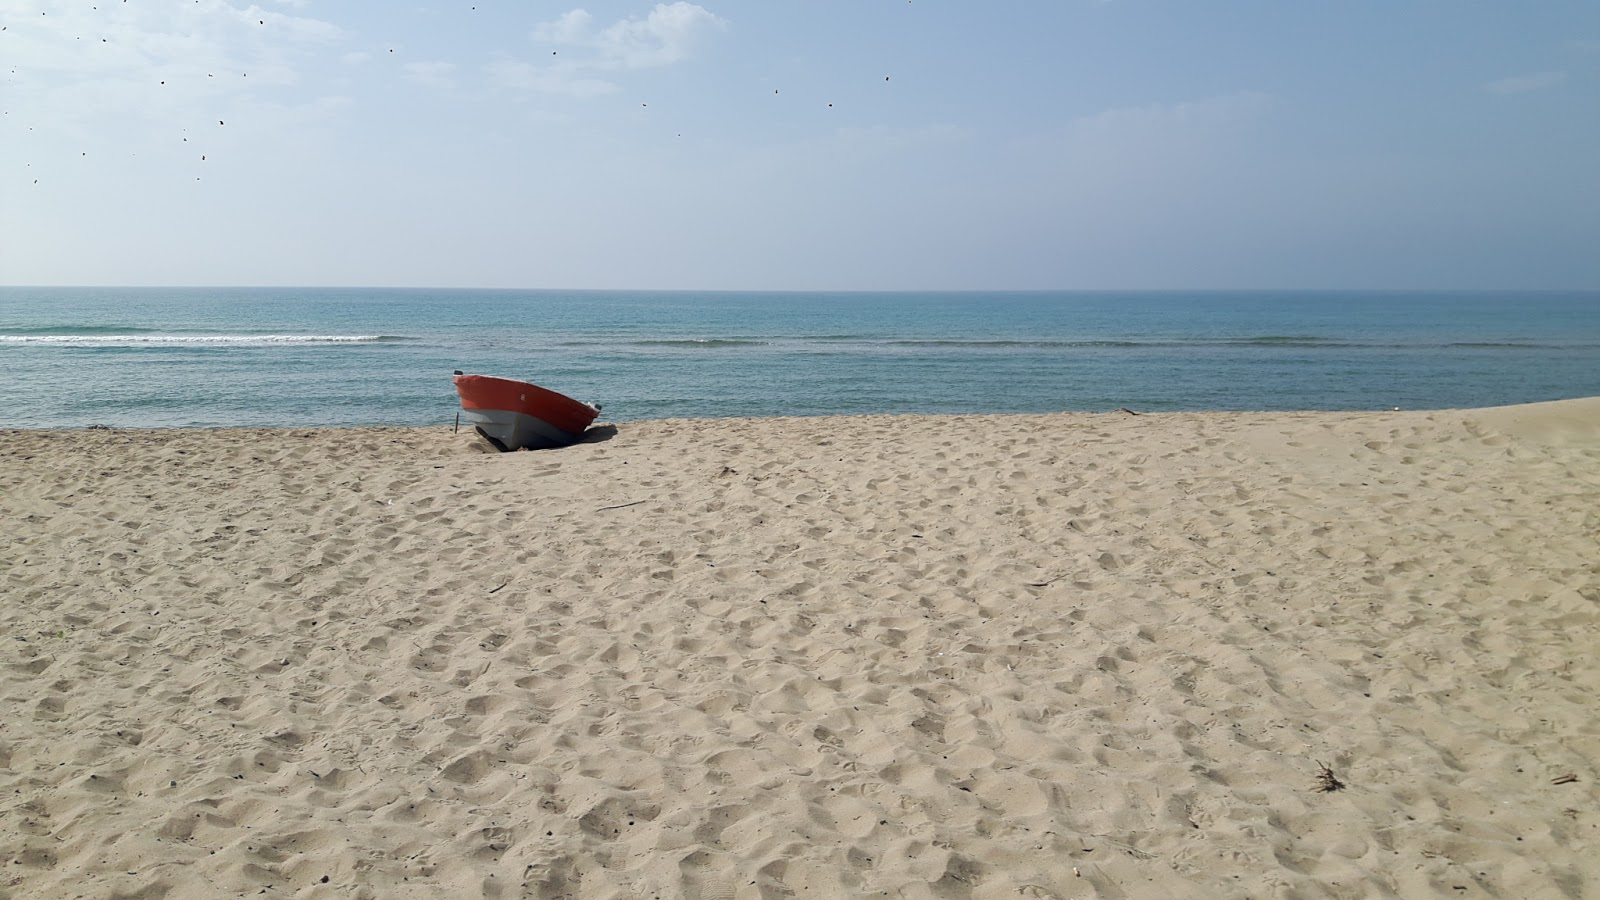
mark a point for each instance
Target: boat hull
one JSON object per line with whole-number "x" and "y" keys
{"x": 517, "y": 415}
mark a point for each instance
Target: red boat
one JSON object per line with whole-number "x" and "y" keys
{"x": 516, "y": 415}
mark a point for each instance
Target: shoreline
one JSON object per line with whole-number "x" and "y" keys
{"x": 1065, "y": 654}
{"x": 869, "y": 416}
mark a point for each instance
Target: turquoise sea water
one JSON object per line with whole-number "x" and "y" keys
{"x": 315, "y": 356}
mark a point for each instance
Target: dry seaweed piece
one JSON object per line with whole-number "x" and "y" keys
{"x": 1327, "y": 782}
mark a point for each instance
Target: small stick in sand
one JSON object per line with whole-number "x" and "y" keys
{"x": 1564, "y": 779}
{"x": 620, "y": 505}
{"x": 1126, "y": 410}
{"x": 1327, "y": 782}
{"x": 492, "y": 590}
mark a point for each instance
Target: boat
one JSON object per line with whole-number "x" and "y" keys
{"x": 517, "y": 415}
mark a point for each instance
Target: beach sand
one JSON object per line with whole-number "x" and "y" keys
{"x": 1069, "y": 656}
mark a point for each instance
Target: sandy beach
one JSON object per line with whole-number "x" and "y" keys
{"x": 1284, "y": 655}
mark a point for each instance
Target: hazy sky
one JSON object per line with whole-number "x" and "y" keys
{"x": 802, "y": 144}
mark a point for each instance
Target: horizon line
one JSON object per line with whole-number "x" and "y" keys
{"x": 908, "y": 290}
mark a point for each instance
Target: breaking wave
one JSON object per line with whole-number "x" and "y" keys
{"x": 195, "y": 340}
{"x": 699, "y": 343}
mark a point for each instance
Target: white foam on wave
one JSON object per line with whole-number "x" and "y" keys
{"x": 127, "y": 340}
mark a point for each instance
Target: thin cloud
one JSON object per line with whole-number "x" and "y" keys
{"x": 570, "y": 28}
{"x": 1522, "y": 84}
{"x": 129, "y": 80}
{"x": 668, "y": 34}
{"x": 134, "y": 43}
{"x": 664, "y": 37}
{"x": 585, "y": 54}
{"x": 301, "y": 28}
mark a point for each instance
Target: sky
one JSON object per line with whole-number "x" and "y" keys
{"x": 802, "y": 144}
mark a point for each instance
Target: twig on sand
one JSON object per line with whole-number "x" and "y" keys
{"x": 1327, "y": 782}
{"x": 1564, "y": 779}
{"x": 1132, "y": 851}
{"x": 1126, "y": 410}
{"x": 492, "y": 590}
{"x": 621, "y": 505}
{"x": 1046, "y": 583}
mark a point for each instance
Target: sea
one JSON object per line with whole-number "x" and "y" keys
{"x": 166, "y": 357}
